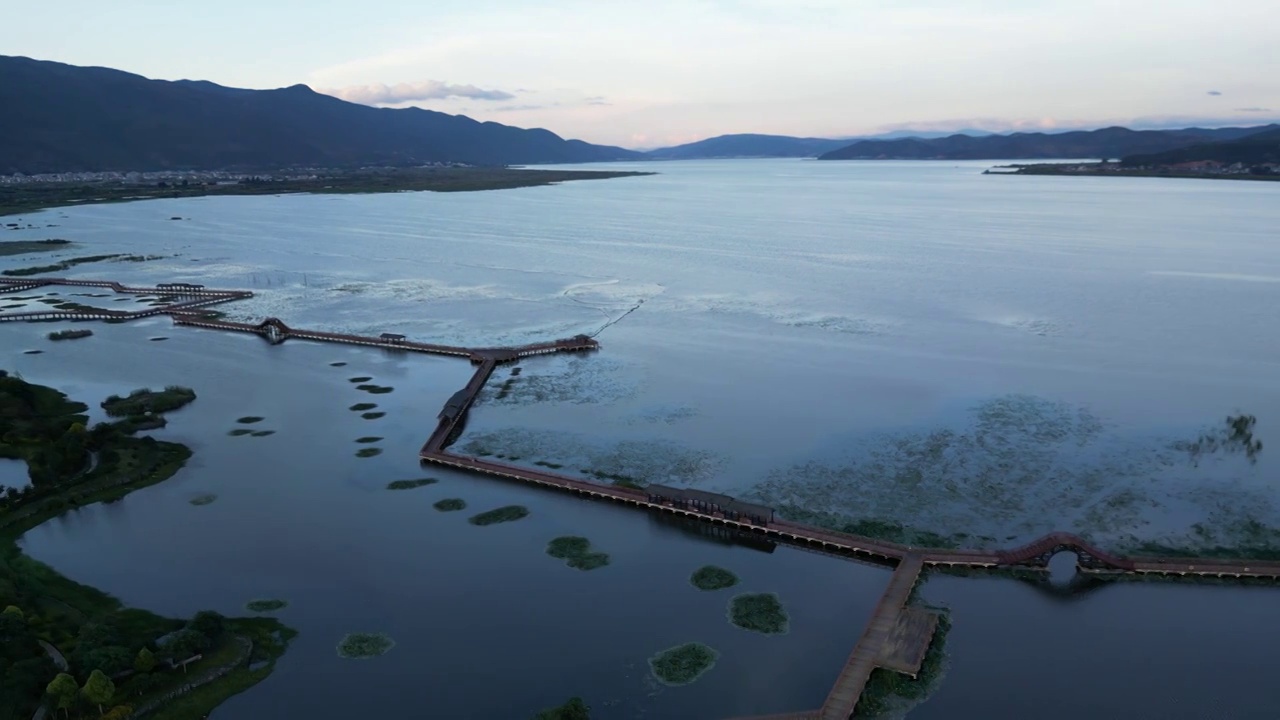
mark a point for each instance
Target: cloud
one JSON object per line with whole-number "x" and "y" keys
{"x": 380, "y": 94}
{"x": 1213, "y": 92}
{"x": 1253, "y": 109}
{"x": 519, "y": 108}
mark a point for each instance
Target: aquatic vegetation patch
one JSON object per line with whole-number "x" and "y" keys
{"x": 143, "y": 401}
{"x": 450, "y": 504}
{"x": 368, "y": 439}
{"x": 204, "y": 499}
{"x": 363, "y": 646}
{"x": 375, "y": 389}
{"x": 362, "y": 406}
{"x": 368, "y": 452}
{"x": 576, "y": 552}
{"x": 69, "y": 334}
{"x": 262, "y": 606}
{"x": 1235, "y": 437}
{"x": 711, "y": 577}
{"x": 337, "y": 364}
{"x": 410, "y": 484}
{"x": 361, "y": 379}
{"x": 759, "y": 612}
{"x": 158, "y": 339}
{"x": 566, "y": 379}
{"x": 250, "y": 419}
{"x": 682, "y": 664}
{"x": 545, "y": 464}
{"x": 1018, "y": 467}
{"x": 58, "y": 267}
{"x": 372, "y": 415}
{"x": 32, "y": 352}
{"x": 507, "y": 513}
{"x": 238, "y": 432}
{"x": 262, "y": 433}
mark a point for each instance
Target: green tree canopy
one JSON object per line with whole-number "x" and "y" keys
{"x": 98, "y": 689}
{"x": 63, "y": 689}
{"x": 145, "y": 662}
{"x": 14, "y": 611}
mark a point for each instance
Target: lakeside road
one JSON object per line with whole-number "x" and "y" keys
{"x": 30, "y": 196}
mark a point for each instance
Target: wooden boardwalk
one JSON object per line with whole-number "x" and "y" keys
{"x": 867, "y": 653}
{"x": 895, "y": 638}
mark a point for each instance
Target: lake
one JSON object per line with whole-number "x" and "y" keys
{"x": 908, "y": 342}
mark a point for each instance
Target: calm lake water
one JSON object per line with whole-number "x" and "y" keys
{"x": 913, "y": 342}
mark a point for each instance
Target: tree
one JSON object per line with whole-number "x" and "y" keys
{"x": 63, "y": 689}
{"x": 145, "y": 662}
{"x": 208, "y": 623}
{"x": 119, "y": 712}
{"x": 14, "y": 611}
{"x": 98, "y": 689}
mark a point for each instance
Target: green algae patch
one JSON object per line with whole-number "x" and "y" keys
{"x": 375, "y": 389}
{"x": 368, "y": 439}
{"x": 249, "y": 419}
{"x": 576, "y": 552}
{"x": 372, "y": 415}
{"x": 507, "y": 513}
{"x": 759, "y": 612}
{"x": 711, "y": 577}
{"x": 204, "y": 499}
{"x": 361, "y": 379}
{"x": 368, "y": 452}
{"x": 410, "y": 484}
{"x": 262, "y": 433}
{"x": 683, "y": 664}
{"x": 450, "y": 504}
{"x": 263, "y": 606}
{"x": 362, "y": 406}
{"x": 363, "y": 646}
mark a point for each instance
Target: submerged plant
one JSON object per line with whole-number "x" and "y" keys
{"x": 683, "y": 664}
{"x": 759, "y": 612}
{"x": 508, "y": 513}
{"x": 362, "y": 646}
{"x": 410, "y": 484}
{"x": 710, "y": 577}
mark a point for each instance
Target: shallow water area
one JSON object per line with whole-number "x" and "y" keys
{"x": 903, "y": 342}
{"x": 1192, "y": 651}
{"x": 297, "y": 516}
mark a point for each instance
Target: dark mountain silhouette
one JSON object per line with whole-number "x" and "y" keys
{"x": 748, "y": 145}
{"x": 1112, "y": 142}
{"x": 60, "y": 118}
{"x": 1255, "y": 149}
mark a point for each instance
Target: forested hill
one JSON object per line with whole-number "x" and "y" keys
{"x": 63, "y": 118}
{"x": 1112, "y": 142}
{"x": 1258, "y": 149}
{"x": 747, "y": 146}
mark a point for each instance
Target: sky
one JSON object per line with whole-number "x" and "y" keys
{"x": 651, "y": 73}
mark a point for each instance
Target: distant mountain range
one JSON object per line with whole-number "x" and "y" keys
{"x": 775, "y": 146}
{"x": 1112, "y": 142}
{"x": 64, "y": 118}
{"x": 1261, "y": 148}
{"x": 747, "y": 146}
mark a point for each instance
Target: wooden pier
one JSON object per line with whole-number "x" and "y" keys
{"x": 895, "y": 638}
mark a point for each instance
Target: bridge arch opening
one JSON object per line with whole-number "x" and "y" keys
{"x": 1063, "y": 566}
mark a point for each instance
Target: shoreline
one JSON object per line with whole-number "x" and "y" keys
{"x": 1064, "y": 169}
{"x": 19, "y": 198}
